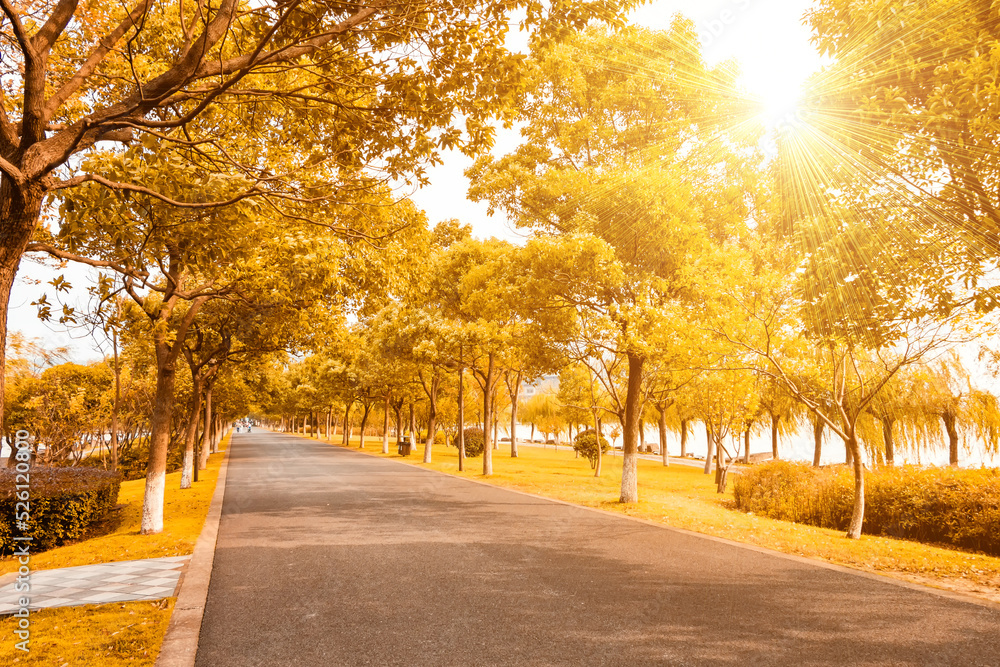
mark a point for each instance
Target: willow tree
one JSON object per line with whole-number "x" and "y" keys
{"x": 627, "y": 137}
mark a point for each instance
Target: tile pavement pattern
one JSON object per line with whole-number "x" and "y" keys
{"x": 147, "y": 579}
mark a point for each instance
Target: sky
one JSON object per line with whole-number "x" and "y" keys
{"x": 766, "y": 37}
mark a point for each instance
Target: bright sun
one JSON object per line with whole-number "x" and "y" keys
{"x": 779, "y": 96}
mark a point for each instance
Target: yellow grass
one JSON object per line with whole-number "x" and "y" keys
{"x": 123, "y": 633}
{"x": 684, "y": 497}
{"x": 184, "y": 513}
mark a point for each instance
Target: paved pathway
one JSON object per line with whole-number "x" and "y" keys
{"x": 330, "y": 557}
{"x": 123, "y": 581}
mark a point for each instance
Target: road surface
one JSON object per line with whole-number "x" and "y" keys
{"x": 330, "y": 557}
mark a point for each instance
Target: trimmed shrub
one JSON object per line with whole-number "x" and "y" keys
{"x": 473, "y": 442}
{"x": 937, "y": 505}
{"x": 62, "y": 504}
{"x": 585, "y": 443}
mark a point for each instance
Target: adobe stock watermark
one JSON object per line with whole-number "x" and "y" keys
{"x": 22, "y": 542}
{"x": 712, "y": 29}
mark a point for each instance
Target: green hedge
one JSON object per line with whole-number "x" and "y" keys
{"x": 63, "y": 503}
{"x": 474, "y": 441}
{"x": 937, "y": 505}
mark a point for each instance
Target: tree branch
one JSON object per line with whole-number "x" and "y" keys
{"x": 114, "y": 185}
{"x": 48, "y": 34}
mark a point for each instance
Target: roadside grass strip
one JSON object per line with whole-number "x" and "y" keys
{"x": 123, "y": 633}
{"x": 684, "y": 497}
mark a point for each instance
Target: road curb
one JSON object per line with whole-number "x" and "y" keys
{"x": 876, "y": 576}
{"x": 180, "y": 645}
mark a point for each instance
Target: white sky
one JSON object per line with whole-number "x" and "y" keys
{"x": 766, "y": 37}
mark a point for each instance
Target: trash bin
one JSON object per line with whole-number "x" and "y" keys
{"x": 404, "y": 447}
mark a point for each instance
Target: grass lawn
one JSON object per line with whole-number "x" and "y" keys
{"x": 123, "y": 633}
{"x": 184, "y": 513}
{"x": 684, "y": 497}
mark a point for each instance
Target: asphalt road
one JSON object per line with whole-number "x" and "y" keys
{"x": 330, "y": 557}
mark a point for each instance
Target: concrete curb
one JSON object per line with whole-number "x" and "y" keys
{"x": 875, "y": 576}
{"x": 180, "y": 645}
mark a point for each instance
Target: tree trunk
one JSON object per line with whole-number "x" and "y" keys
{"x": 633, "y": 411}
{"x": 461, "y": 418}
{"x": 662, "y": 426}
{"x": 209, "y": 442}
{"x": 710, "y": 452}
{"x": 488, "y": 416}
{"x": 431, "y": 427}
{"x": 817, "y": 441}
{"x": 848, "y": 455}
{"x": 775, "y": 419}
{"x": 513, "y": 415}
{"x": 600, "y": 451}
{"x": 364, "y": 423}
{"x": 858, "y": 515}
{"x": 890, "y": 454}
{"x": 115, "y": 408}
{"x": 949, "y": 419}
{"x": 159, "y": 441}
{"x": 746, "y": 446}
{"x": 684, "y": 438}
{"x": 346, "y": 439}
{"x": 191, "y": 435}
{"x": 20, "y": 209}
{"x": 413, "y": 428}
{"x": 385, "y": 424}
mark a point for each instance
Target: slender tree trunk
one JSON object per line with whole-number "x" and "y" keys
{"x": 194, "y": 415}
{"x": 858, "y": 515}
{"x": 488, "y": 417}
{"x": 385, "y": 425}
{"x": 775, "y": 419}
{"x": 817, "y": 440}
{"x": 950, "y": 426}
{"x": 364, "y": 424}
{"x": 209, "y": 443}
{"x": 413, "y": 428}
{"x": 513, "y": 415}
{"x": 710, "y": 439}
{"x": 461, "y": 418}
{"x": 496, "y": 440}
{"x": 848, "y": 455}
{"x": 633, "y": 411}
{"x": 662, "y": 426}
{"x": 600, "y": 451}
{"x": 746, "y": 445}
{"x": 346, "y": 440}
{"x": 116, "y": 407}
{"x": 890, "y": 454}
{"x": 684, "y": 438}
{"x": 431, "y": 431}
